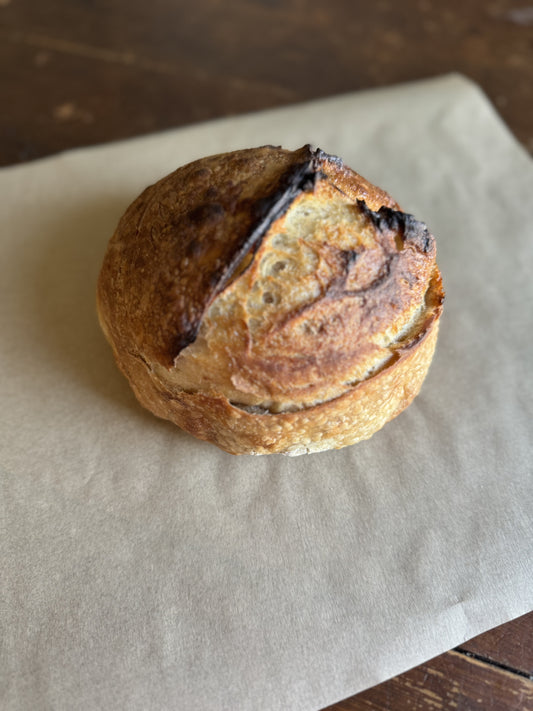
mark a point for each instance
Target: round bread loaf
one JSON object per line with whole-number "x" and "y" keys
{"x": 271, "y": 301}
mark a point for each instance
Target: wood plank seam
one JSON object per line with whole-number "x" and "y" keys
{"x": 492, "y": 662}
{"x": 454, "y": 680}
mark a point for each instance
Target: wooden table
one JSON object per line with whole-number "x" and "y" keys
{"x": 80, "y": 72}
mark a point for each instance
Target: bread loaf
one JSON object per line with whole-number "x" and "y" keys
{"x": 271, "y": 301}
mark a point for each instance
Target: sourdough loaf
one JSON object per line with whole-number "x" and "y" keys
{"x": 271, "y": 301}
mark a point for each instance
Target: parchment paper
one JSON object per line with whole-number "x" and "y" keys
{"x": 142, "y": 569}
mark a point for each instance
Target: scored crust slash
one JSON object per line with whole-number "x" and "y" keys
{"x": 269, "y": 300}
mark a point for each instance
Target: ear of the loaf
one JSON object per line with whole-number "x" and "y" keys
{"x": 351, "y": 184}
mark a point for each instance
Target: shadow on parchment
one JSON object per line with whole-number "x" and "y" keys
{"x": 61, "y": 300}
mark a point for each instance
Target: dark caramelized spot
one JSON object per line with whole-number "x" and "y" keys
{"x": 405, "y": 228}
{"x": 208, "y": 213}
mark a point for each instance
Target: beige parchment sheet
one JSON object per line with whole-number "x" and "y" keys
{"x": 142, "y": 569}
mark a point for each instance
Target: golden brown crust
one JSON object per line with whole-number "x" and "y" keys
{"x": 271, "y": 301}
{"x": 210, "y": 212}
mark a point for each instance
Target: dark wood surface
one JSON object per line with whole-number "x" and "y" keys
{"x": 80, "y": 72}
{"x": 77, "y": 72}
{"x": 491, "y": 672}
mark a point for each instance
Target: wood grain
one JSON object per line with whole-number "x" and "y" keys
{"x": 451, "y": 681}
{"x": 493, "y": 671}
{"x": 509, "y": 645}
{"x": 79, "y": 72}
